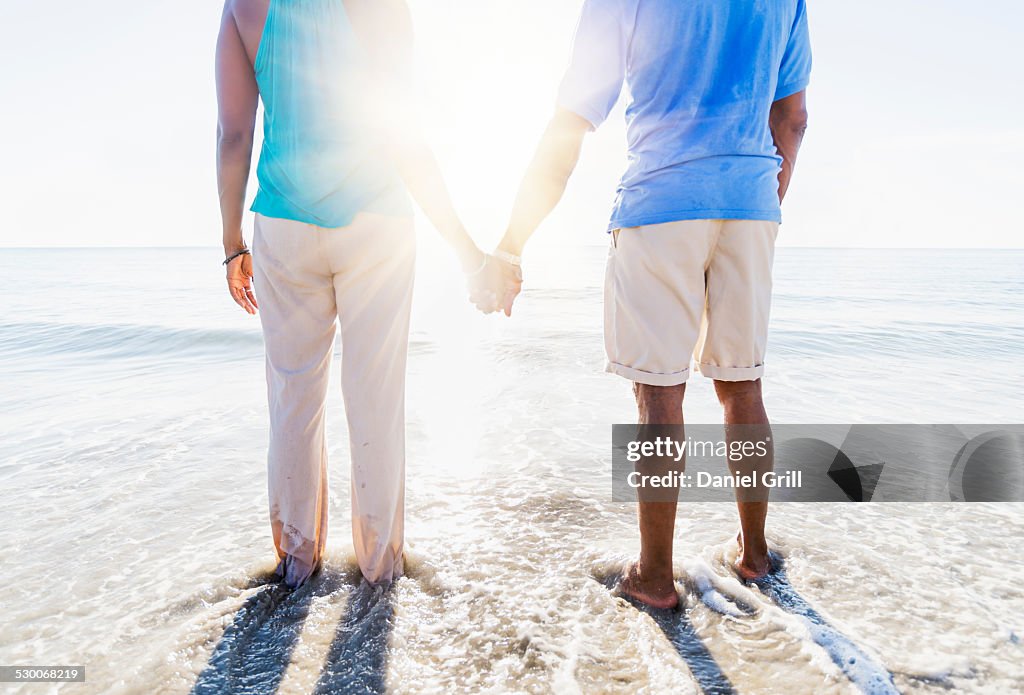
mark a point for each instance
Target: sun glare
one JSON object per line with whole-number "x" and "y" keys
{"x": 488, "y": 76}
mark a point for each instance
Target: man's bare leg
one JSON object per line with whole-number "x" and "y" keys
{"x": 650, "y": 580}
{"x": 744, "y": 406}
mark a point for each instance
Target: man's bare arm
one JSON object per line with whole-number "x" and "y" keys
{"x": 544, "y": 182}
{"x": 237, "y": 100}
{"x": 788, "y": 121}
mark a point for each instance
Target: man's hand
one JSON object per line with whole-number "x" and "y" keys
{"x": 496, "y": 286}
{"x": 240, "y": 283}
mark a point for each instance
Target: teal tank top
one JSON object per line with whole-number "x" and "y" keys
{"x": 322, "y": 161}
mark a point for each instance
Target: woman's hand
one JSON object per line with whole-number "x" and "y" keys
{"x": 496, "y": 286}
{"x": 240, "y": 283}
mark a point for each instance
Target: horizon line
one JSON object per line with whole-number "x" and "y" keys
{"x": 113, "y": 247}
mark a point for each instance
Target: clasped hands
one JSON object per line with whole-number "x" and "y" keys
{"x": 495, "y": 286}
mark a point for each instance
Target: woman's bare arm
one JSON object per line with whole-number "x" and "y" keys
{"x": 237, "y": 99}
{"x": 387, "y": 32}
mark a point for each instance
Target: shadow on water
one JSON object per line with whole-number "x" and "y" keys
{"x": 255, "y": 650}
{"x": 864, "y": 672}
{"x": 683, "y": 636}
{"x": 357, "y": 660}
{"x": 867, "y": 674}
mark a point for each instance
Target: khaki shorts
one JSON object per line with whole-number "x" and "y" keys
{"x": 693, "y": 287}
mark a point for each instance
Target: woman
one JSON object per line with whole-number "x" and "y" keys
{"x": 333, "y": 241}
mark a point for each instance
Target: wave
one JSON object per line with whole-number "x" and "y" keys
{"x": 126, "y": 341}
{"x": 788, "y": 336}
{"x": 981, "y": 341}
{"x": 121, "y": 340}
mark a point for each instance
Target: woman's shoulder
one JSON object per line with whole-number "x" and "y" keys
{"x": 250, "y": 16}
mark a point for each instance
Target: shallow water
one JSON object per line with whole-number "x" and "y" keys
{"x": 132, "y": 465}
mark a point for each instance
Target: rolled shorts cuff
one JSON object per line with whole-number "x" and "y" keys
{"x": 712, "y": 371}
{"x": 649, "y": 378}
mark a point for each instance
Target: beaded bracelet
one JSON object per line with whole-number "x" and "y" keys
{"x": 235, "y": 255}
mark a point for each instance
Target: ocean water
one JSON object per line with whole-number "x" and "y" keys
{"x": 135, "y": 531}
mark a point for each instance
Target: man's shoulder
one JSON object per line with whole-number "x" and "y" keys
{"x": 611, "y": 6}
{"x": 605, "y": 15}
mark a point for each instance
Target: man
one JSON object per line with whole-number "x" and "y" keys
{"x": 715, "y": 119}
{"x": 333, "y": 243}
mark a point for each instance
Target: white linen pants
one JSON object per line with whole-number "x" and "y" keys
{"x": 307, "y": 280}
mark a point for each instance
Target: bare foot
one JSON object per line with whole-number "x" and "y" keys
{"x": 752, "y": 571}
{"x": 654, "y": 593}
{"x": 752, "y": 565}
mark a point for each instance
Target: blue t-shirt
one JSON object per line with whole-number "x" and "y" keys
{"x": 701, "y": 76}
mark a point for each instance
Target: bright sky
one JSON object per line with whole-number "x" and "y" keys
{"x": 916, "y": 136}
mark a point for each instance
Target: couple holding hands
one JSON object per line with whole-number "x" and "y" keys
{"x": 715, "y": 117}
